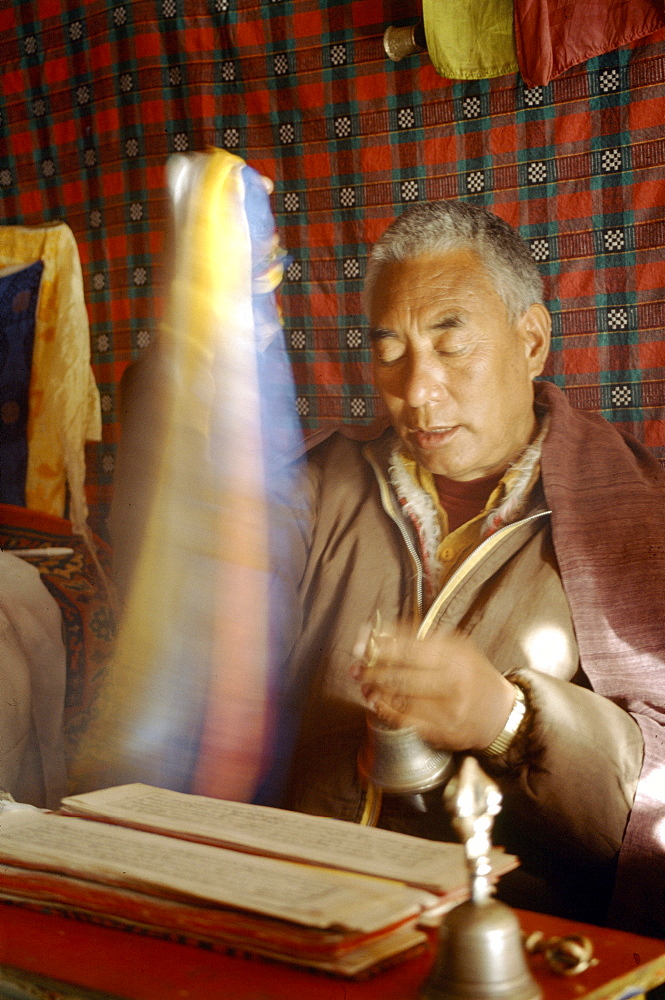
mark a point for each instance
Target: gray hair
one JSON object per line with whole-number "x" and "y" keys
{"x": 439, "y": 226}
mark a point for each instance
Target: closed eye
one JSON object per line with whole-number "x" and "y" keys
{"x": 448, "y": 337}
{"x": 451, "y": 351}
{"x": 387, "y": 346}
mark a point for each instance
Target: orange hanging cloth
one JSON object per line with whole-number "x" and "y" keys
{"x": 552, "y": 35}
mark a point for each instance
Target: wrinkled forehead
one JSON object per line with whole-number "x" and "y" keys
{"x": 456, "y": 273}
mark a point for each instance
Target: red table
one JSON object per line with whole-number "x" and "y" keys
{"x": 135, "y": 967}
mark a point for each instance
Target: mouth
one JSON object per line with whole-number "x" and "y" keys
{"x": 428, "y": 438}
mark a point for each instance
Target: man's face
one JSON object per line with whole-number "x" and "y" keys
{"x": 454, "y": 371}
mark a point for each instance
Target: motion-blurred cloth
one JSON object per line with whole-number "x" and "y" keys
{"x": 64, "y": 405}
{"x": 189, "y": 701}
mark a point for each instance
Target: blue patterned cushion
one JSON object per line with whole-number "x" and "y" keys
{"x": 19, "y": 291}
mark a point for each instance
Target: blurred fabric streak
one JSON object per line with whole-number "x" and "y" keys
{"x": 191, "y": 697}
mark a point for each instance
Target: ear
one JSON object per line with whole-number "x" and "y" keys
{"x": 535, "y": 327}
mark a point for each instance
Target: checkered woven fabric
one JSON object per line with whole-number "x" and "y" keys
{"x": 95, "y": 95}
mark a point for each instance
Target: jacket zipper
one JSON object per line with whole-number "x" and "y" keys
{"x": 389, "y": 507}
{"x": 470, "y": 562}
{"x": 472, "y": 559}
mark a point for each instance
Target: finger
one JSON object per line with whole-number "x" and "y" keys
{"x": 399, "y": 702}
{"x": 359, "y": 650}
{"x": 382, "y": 655}
{"x": 393, "y": 680}
{"x": 367, "y": 648}
{"x": 423, "y": 668}
{"x": 386, "y": 713}
{"x": 357, "y": 670}
{"x": 396, "y": 701}
{"x": 388, "y": 676}
{"x": 398, "y": 713}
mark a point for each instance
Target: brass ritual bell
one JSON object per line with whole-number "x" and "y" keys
{"x": 397, "y": 761}
{"x": 480, "y": 953}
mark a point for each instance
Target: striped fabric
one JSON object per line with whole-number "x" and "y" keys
{"x": 94, "y": 96}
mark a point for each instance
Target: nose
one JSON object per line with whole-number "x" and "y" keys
{"x": 424, "y": 381}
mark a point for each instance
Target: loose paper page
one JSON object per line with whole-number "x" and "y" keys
{"x": 430, "y": 864}
{"x": 304, "y": 894}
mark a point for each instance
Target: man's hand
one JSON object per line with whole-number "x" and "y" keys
{"x": 443, "y": 686}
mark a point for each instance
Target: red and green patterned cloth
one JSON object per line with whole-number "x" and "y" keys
{"x": 94, "y": 96}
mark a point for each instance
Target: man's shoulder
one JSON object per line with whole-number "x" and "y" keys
{"x": 338, "y": 470}
{"x": 582, "y": 445}
{"x": 341, "y": 445}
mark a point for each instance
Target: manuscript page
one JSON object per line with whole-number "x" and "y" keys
{"x": 185, "y": 870}
{"x": 439, "y": 867}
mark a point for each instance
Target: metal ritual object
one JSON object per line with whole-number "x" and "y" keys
{"x": 397, "y": 760}
{"x": 400, "y": 42}
{"x": 480, "y": 954}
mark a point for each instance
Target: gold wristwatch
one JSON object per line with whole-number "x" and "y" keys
{"x": 507, "y": 734}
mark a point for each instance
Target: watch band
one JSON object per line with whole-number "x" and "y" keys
{"x": 507, "y": 734}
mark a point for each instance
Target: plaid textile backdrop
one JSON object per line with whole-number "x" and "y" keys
{"x": 95, "y": 95}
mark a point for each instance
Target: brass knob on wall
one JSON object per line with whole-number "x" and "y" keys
{"x": 400, "y": 42}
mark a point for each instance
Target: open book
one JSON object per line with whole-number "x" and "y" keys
{"x": 305, "y": 889}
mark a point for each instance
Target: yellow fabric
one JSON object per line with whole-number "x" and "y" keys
{"x": 470, "y": 39}
{"x": 456, "y": 545}
{"x": 64, "y": 406}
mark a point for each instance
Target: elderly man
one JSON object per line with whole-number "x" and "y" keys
{"x": 522, "y": 541}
